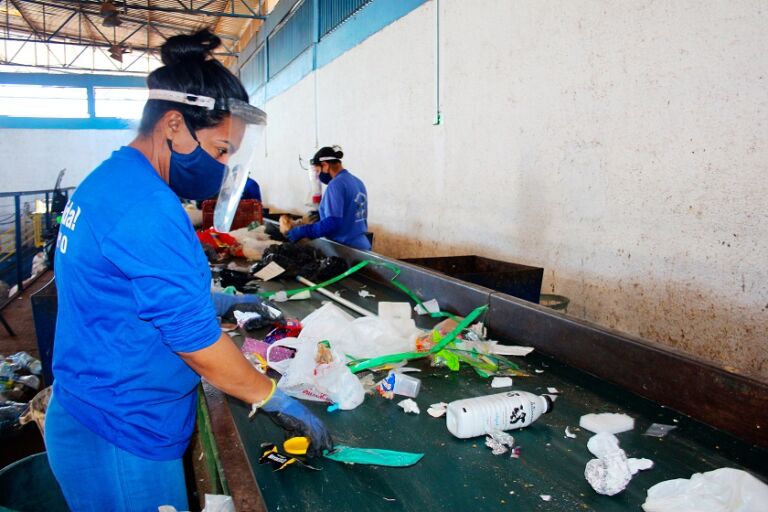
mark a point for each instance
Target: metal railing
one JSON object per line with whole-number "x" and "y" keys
{"x": 290, "y": 38}
{"x": 26, "y": 223}
{"x": 304, "y": 24}
{"x": 335, "y": 12}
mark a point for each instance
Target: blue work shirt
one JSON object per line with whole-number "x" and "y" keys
{"x": 134, "y": 289}
{"x": 345, "y": 198}
{"x": 251, "y": 190}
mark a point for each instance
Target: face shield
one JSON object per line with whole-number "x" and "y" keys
{"x": 246, "y": 136}
{"x": 240, "y": 143}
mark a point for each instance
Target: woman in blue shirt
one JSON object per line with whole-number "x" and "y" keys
{"x": 343, "y": 208}
{"x": 136, "y": 326}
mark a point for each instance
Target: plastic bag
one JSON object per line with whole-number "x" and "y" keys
{"x": 721, "y": 490}
{"x": 304, "y": 378}
{"x": 359, "y": 338}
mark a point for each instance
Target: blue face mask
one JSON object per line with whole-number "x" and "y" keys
{"x": 195, "y": 176}
{"x": 325, "y": 178}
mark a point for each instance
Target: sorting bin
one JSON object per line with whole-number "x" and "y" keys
{"x": 514, "y": 279}
{"x": 29, "y": 485}
{"x": 45, "y": 305}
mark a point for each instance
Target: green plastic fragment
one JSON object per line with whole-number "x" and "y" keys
{"x": 373, "y": 456}
{"x": 451, "y": 360}
{"x": 229, "y": 290}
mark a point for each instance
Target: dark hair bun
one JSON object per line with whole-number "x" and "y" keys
{"x": 189, "y": 49}
{"x": 327, "y": 154}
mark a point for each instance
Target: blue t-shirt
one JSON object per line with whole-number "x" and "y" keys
{"x": 134, "y": 289}
{"x": 251, "y": 190}
{"x": 345, "y": 197}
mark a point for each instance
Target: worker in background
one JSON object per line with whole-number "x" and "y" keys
{"x": 343, "y": 208}
{"x": 136, "y": 325}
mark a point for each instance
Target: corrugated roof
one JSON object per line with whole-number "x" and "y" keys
{"x": 144, "y": 24}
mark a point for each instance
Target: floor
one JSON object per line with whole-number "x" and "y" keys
{"x": 18, "y": 314}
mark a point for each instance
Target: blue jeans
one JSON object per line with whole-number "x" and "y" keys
{"x": 96, "y": 475}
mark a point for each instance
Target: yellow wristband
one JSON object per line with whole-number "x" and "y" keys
{"x": 255, "y": 407}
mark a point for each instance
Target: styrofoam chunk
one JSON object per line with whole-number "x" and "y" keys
{"x": 612, "y": 423}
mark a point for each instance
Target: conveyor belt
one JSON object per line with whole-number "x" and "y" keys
{"x": 463, "y": 474}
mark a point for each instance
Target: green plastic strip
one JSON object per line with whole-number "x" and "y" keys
{"x": 373, "y": 456}
{"x": 360, "y": 365}
{"x": 336, "y": 279}
{"x": 395, "y": 269}
{"x": 402, "y": 356}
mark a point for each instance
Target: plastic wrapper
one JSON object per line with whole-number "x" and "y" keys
{"x": 373, "y": 456}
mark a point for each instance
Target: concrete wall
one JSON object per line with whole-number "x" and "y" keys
{"x": 32, "y": 158}
{"x": 621, "y": 146}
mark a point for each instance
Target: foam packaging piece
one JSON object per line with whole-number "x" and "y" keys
{"x": 612, "y": 423}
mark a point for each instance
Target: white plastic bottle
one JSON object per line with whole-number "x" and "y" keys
{"x": 473, "y": 417}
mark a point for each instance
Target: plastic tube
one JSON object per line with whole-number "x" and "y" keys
{"x": 344, "y": 302}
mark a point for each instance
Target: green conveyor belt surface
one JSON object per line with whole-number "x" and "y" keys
{"x": 460, "y": 474}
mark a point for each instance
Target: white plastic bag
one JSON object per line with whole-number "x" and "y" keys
{"x": 359, "y": 338}
{"x": 721, "y": 490}
{"x": 304, "y": 378}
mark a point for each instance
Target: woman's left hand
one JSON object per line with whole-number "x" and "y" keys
{"x": 297, "y": 420}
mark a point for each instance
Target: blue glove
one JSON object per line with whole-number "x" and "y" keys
{"x": 222, "y": 301}
{"x": 289, "y": 414}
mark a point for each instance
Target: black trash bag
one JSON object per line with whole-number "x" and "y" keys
{"x": 329, "y": 268}
{"x": 302, "y": 260}
{"x": 9, "y": 417}
{"x": 267, "y": 315}
{"x": 273, "y": 231}
{"x": 239, "y": 280}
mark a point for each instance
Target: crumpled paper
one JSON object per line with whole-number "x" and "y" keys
{"x": 611, "y": 471}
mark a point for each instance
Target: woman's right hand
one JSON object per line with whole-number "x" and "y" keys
{"x": 293, "y": 417}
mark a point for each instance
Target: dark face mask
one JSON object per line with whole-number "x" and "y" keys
{"x": 195, "y": 176}
{"x": 325, "y": 177}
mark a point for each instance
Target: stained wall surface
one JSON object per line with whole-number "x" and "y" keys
{"x": 621, "y": 146}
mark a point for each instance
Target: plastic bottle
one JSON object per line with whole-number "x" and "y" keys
{"x": 399, "y": 384}
{"x": 473, "y": 417}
